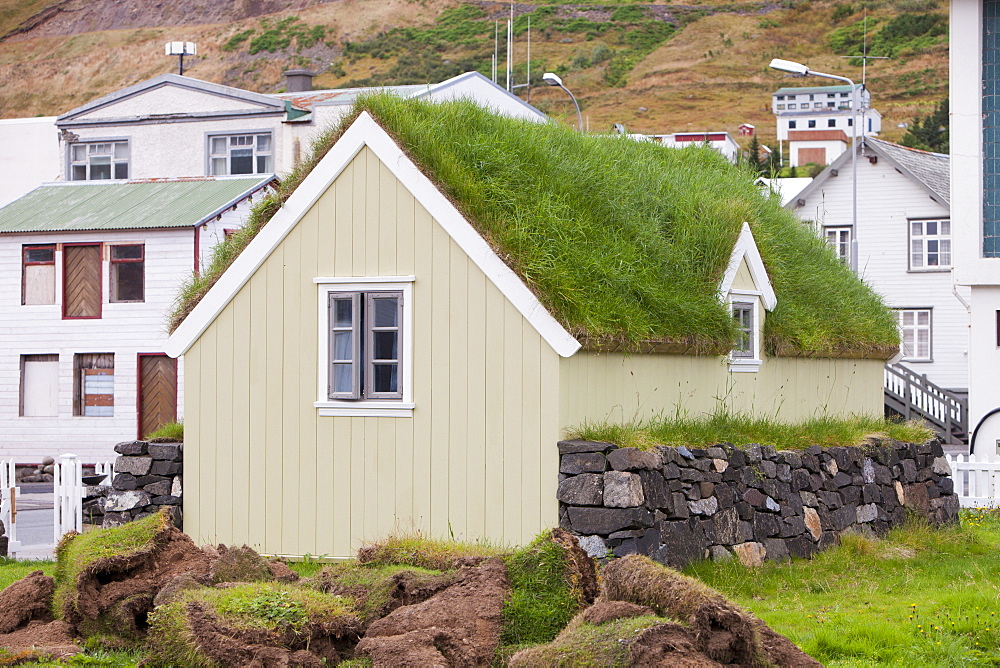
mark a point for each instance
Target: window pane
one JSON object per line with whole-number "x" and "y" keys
{"x": 127, "y": 281}
{"x": 218, "y": 145}
{"x": 908, "y": 318}
{"x": 923, "y": 318}
{"x": 342, "y": 316}
{"x": 264, "y": 143}
{"x": 39, "y": 254}
{"x": 342, "y": 348}
{"x": 916, "y": 229}
{"x": 241, "y": 161}
{"x": 385, "y": 345}
{"x": 342, "y": 378}
{"x": 121, "y": 151}
{"x": 386, "y": 378}
{"x": 263, "y": 164}
{"x": 931, "y": 227}
{"x": 219, "y": 167}
{"x": 945, "y": 227}
{"x": 242, "y": 140}
{"x": 99, "y": 172}
{"x": 131, "y": 252}
{"x": 908, "y": 343}
{"x": 79, "y": 152}
{"x": 385, "y": 312}
{"x": 121, "y": 170}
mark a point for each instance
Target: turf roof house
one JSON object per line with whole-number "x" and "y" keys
{"x": 92, "y": 270}
{"x": 388, "y": 370}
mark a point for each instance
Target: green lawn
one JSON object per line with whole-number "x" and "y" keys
{"x": 922, "y": 597}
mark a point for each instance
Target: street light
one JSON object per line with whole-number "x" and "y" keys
{"x": 802, "y": 70}
{"x": 554, "y": 80}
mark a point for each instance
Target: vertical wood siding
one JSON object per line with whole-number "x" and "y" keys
{"x": 476, "y": 459}
{"x": 617, "y": 387}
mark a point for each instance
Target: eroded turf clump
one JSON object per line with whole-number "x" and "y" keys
{"x": 106, "y": 580}
{"x": 252, "y": 624}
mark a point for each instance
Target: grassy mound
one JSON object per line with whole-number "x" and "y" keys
{"x": 423, "y": 552}
{"x": 231, "y": 626}
{"x": 597, "y": 226}
{"x": 583, "y": 644}
{"x": 378, "y": 589}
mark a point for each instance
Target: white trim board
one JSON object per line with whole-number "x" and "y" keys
{"x": 746, "y": 248}
{"x": 365, "y": 131}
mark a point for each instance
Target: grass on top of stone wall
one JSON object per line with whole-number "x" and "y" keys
{"x": 741, "y": 430}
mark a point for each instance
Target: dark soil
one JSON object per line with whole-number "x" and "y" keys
{"x": 55, "y": 639}
{"x": 458, "y": 626}
{"x": 26, "y": 600}
{"x": 669, "y": 646}
{"x": 123, "y": 587}
{"x": 606, "y": 611}
{"x": 581, "y": 569}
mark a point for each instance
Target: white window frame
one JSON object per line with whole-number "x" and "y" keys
{"x": 90, "y": 147}
{"x": 328, "y": 407}
{"x": 923, "y": 240}
{"x": 841, "y": 245}
{"x": 742, "y": 363}
{"x": 916, "y": 328}
{"x": 228, "y": 136}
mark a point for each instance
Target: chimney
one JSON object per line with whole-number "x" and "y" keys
{"x": 297, "y": 81}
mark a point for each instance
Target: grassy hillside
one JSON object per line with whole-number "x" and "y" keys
{"x": 655, "y": 67}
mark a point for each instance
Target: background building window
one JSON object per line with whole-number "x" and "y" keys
{"x": 39, "y": 395}
{"x": 94, "y": 384}
{"x": 128, "y": 273}
{"x": 38, "y": 274}
{"x": 840, "y": 239}
{"x": 831, "y": 123}
{"x": 812, "y": 124}
{"x": 99, "y": 160}
{"x": 791, "y": 125}
{"x": 240, "y": 154}
{"x": 930, "y": 244}
{"x": 915, "y": 332}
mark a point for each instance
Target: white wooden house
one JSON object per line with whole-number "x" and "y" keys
{"x": 905, "y": 248}
{"x": 93, "y": 270}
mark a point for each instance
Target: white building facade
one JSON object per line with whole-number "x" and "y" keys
{"x": 905, "y": 247}
{"x": 823, "y": 108}
{"x": 975, "y": 182}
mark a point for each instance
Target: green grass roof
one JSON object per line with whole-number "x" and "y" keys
{"x": 626, "y": 242}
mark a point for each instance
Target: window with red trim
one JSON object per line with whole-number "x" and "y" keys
{"x": 38, "y": 274}
{"x": 128, "y": 280}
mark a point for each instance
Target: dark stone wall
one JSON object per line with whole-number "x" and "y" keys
{"x": 679, "y": 505}
{"x": 148, "y": 476}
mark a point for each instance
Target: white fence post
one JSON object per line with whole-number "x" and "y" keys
{"x": 9, "y": 491}
{"x": 68, "y": 502}
{"x": 977, "y": 483}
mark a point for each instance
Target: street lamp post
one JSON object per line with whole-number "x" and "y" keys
{"x": 554, "y": 80}
{"x": 802, "y": 70}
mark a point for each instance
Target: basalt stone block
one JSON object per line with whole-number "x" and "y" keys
{"x": 692, "y": 475}
{"x": 749, "y": 477}
{"x": 171, "y": 452}
{"x": 768, "y": 451}
{"x": 708, "y": 530}
{"x": 720, "y": 553}
{"x": 124, "y": 482}
{"x": 827, "y": 540}
{"x": 750, "y": 554}
{"x": 737, "y": 458}
{"x": 933, "y": 491}
{"x": 941, "y": 466}
{"x": 685, "y": 453}
{"x": 586, "y": 489}
{"x": 810, "y": 462}
{"x": 166, "y": 501}
{"x": 158, "y": 489}
{"x": 776, "y": 550}
{"x": 680, "y": 544}
{"x": 755, "y": 498}
{"x": 577, "y": 446}
{"x": 594, "y": 546}
{"x": 831, "y": 500}
{"x": 793, "y": 459}
{"x": 868, "y": 470}
{"x": 137, "y": 466}
{"x": 119, "y": 501}
{"x": 744, "y": 510}
{"x": 800, "y": 546}
{"x": 784, "y": 473}
{"x": 693, "y": 493}
{"x": 728, "y": 528}
{"x": 841, "y": 518}
{"x": 704, "y": 506}
{"x": 725, "y": 495}
{"x": 814, "y": 450}
{"x": 582, "y": 462}
{"x": 112, "y": 520}
{"x": 768, "y": 468}
{"x": 605, "y": 521}
{"x": 851, "y": 495}
{"x": 815, "y": 482}
{"x": 813, "y": 523}
{"x": 771, "y": 505}
{"x": 706, "y": 489}
{"x": 765, "y": 526}
{"x": 622, "y": 490}
{"x": 792, "y": 526}
{"x": 717, "y": 453}
{"x": 667, "y": 454}
{"x": 166, "y": 468}
{"x": 753, "y": 454}
{"x": 842, "y": 479}
{"x": 671, "y": 471}
{"x": 675, "y": 485}
{"x": 871, "y": 494}
{"x": 770, "y": 487}
{"x": 634, "y": 459}
{"x": 924, "y": 474}
{"x": 917, "y": 498}
{"x": 654, "y": 489}
{"x": 947, "y": 485}
{"x": 703, "y": 465}
{"x": 131, "y": 448}
{"x": 937, "y": 450}
{"x": 809, "y": 499}
{"x": 867, "y": 513}
{"x": 909, "y": 470}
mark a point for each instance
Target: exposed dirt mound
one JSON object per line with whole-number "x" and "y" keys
{"x": 26, "y": 600}
{"x": 38, "y": 639}
{"x": 723, "y": 631}
{"x": 376, "y": 595}
{"x": 239, "y": 564}
{"x": 460, "y": 623}
{"x": 119, "y": 589}
{"x": 668, "y": 646}
{"x": 581, "y": 571}
{"x": 606, "y": 611}
{"x": 281, "y": 572}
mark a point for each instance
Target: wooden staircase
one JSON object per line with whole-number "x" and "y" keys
{"x": 914, "y": 397}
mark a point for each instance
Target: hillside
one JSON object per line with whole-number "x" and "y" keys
{"x": 654, "y": 67}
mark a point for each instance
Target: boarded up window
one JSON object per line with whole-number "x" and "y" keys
{"x": 94, "y": 384}
{"x": 38, "y": 278}
{"x": 128, "y": 273}
{"x": 39, "y": 385}
{"x": 814, "y": 155}
{"x": 82, "y": 281}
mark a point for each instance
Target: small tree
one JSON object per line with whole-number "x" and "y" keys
{"x": 753, "y": 155}
{"x": 930, "y": 133}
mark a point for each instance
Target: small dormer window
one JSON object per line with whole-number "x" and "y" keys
{"x": 743, "y": 316}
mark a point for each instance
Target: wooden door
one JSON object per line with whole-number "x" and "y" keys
{"x": 82, "y": 281}
{"x": 157, "y": 392}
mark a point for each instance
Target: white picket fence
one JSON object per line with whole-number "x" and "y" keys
{"x": 977, "y": 482}
{"x": 67, "y": 502}
{"x": 9, "y": 492}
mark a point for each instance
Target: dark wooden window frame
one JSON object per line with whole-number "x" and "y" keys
{"x": 112, "y": 262}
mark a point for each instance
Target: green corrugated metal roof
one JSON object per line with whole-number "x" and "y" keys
{"x": 123, "y": 205}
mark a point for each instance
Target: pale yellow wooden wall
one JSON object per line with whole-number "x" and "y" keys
{"x": 477, "y": 458}
{"x": 617, "y": 387}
